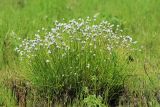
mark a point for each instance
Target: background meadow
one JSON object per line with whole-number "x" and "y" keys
{"x": 139, "y": 75}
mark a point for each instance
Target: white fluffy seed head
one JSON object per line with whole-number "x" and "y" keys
{"x": 82, "y": 32}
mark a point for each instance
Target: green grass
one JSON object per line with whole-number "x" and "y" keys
{"x": 139, "y": 18}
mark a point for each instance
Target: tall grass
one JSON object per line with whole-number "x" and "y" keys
{"x": 78, "y": 54}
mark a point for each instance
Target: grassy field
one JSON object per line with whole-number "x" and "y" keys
{"x": 124, "y": 79}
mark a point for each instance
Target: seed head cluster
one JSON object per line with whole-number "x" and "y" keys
{"x": 77, "y": 35}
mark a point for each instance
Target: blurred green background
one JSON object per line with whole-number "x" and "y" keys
{"x": 139, "y": 18}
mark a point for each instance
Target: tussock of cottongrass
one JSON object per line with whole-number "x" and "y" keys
{"x": 75, "y": 54}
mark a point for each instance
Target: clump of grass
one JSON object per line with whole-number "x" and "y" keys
{"x": 6, "y": 98}
{"x": 72, "y": 55}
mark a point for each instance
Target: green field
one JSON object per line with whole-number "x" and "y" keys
{"x": 79, "y": 78}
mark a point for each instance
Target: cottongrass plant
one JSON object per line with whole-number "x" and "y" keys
{"x": 74, "y": 56}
